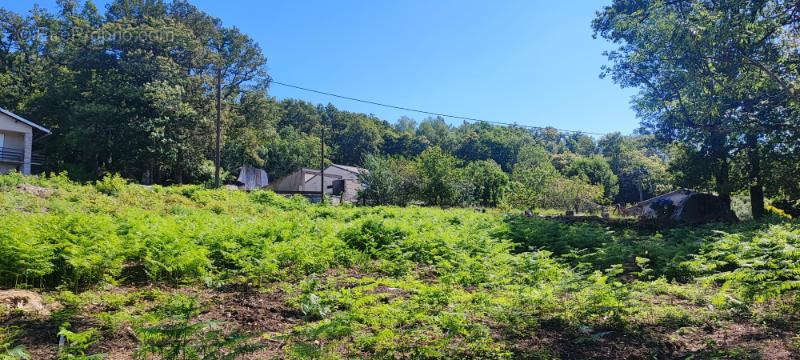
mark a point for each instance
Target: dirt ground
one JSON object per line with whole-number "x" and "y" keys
{"x": 267, "y": 316}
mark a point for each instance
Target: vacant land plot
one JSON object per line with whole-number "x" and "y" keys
{"x": 119, "y": 269}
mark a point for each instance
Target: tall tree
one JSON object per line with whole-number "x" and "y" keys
{"x": 702, "y": 66}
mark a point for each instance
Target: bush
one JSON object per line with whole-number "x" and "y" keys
{"x": 25, "y": 255}
{"x": 111, "y": 184}
{"x": 389, "y": 181}
{"x": 486, "y": 181}
{"x": 167, "y": 247}
{"x": 88, "y": 249}
{"x": 756, "y": 267}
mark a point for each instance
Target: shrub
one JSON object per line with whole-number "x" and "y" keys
{"x": 9, "y": 351}
{"x": 88, "y": 249}
{"x": 757, "y": 267}
{"x": 181, "y": 336}
{"x": 167, "y": 247}
{"x": 389, "y": 181}
{"x": 111, "y": 184}
{"x": 372, "y": 235}
{"x": 11, "y": 180}
{"x": 25, "y": 255}
{"x": 77, "y": 344}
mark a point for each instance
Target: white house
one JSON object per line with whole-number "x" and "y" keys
{"x": 17, "y": 135}
{"x": 308, "y": 181}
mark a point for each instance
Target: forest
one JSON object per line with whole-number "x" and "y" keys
{"x": 131, "y": 90}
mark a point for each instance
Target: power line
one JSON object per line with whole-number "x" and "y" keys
{"x": 273, "y": 81}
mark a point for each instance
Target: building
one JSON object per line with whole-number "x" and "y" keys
{"x": 684, "y": 206}
{"x": 340, "y": 180}
{"x": 17, "y": 136}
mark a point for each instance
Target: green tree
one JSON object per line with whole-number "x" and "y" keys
{"x": 532, "y": 173}
{"x": 487, "y": 182}
{"x": 440, "y": 181}
{"x": 597, "y": 171}
{"x": 389, "y": 181}
{"x": 721, "y": 94}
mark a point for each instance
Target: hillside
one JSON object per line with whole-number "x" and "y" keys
{"x": 166, "y": 270}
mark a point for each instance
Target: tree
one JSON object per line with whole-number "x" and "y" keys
{"x": 487, "y": 182}
{"x": 711, "y": 75}
{"x": 581, "y": 144}
{"x": 439, "y": 178}
{"x": 641, "y": 174}
{"x": 354, "y": 136}
{"x": 596, "y": 170}
{"x": 532, "y": 173}
{"x": 389, "y": 181}
{"x": 252, "y": 124}
{"x": 436, "y": 132}
{"x": 406, "y": 124}
{"x": 235, "y": 59}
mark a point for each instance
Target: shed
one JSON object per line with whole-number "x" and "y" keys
{"x": 252, "y": 178}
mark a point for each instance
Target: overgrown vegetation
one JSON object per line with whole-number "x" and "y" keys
{"x": 380, "y": 282}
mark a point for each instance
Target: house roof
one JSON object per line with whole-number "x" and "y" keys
{"x": 662, "y": 196}
{"x": 352, "y": 169}
{"x": 25, "y": 121}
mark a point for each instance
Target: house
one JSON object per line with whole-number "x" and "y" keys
{"x": 17, "y": 135}
{"x": 307, "y": 181}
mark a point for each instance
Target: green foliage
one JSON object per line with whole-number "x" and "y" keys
{"x": 487, "y": 182}
{"x": 111, "y": 184}
{"x": 168, "y": 248}
{"x": 87, "y": 246}
{"x": 389, "y": 181}
{"x": 25, "y": 256}
{"x": 9, "y": 351}
{"x": 537, "y": 184}
{"x": 758, "y": 267}
{"x": 597, "y": 171}
{"x": 439, "y": 179}
{"x": 11, "y": 180}
{"x": 77, "y": 344}
{"x": 378, "y": 282}
{"x": 182, "y": 337}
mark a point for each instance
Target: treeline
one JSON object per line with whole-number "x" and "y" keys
{"x": 544, "y": 169}
{"x": 132, "y": 89}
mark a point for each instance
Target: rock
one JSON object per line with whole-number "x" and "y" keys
{"x": 35, "y": 190}
{"x": 23, "y": 300}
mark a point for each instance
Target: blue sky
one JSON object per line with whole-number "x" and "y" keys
{"x": 531, "y": 62}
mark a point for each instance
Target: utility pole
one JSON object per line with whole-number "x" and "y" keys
{"x": 218, "y": 158}
{"x": 322, "y": 163}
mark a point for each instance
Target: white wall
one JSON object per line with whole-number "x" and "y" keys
{"x": 9, "y": 124}
{"x": 313, "y": 183}
{"x": 13, "y": 140}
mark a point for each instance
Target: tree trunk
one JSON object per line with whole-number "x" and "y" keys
{"x": 719, "y": 152}
{"x": 756, "y": 186}
{"x": 179, "y": 168}
{"x": 217, "y": 157}
{"x": 639, "y": 187}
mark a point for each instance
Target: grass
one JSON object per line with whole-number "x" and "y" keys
{"x": 287, "y": 279}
